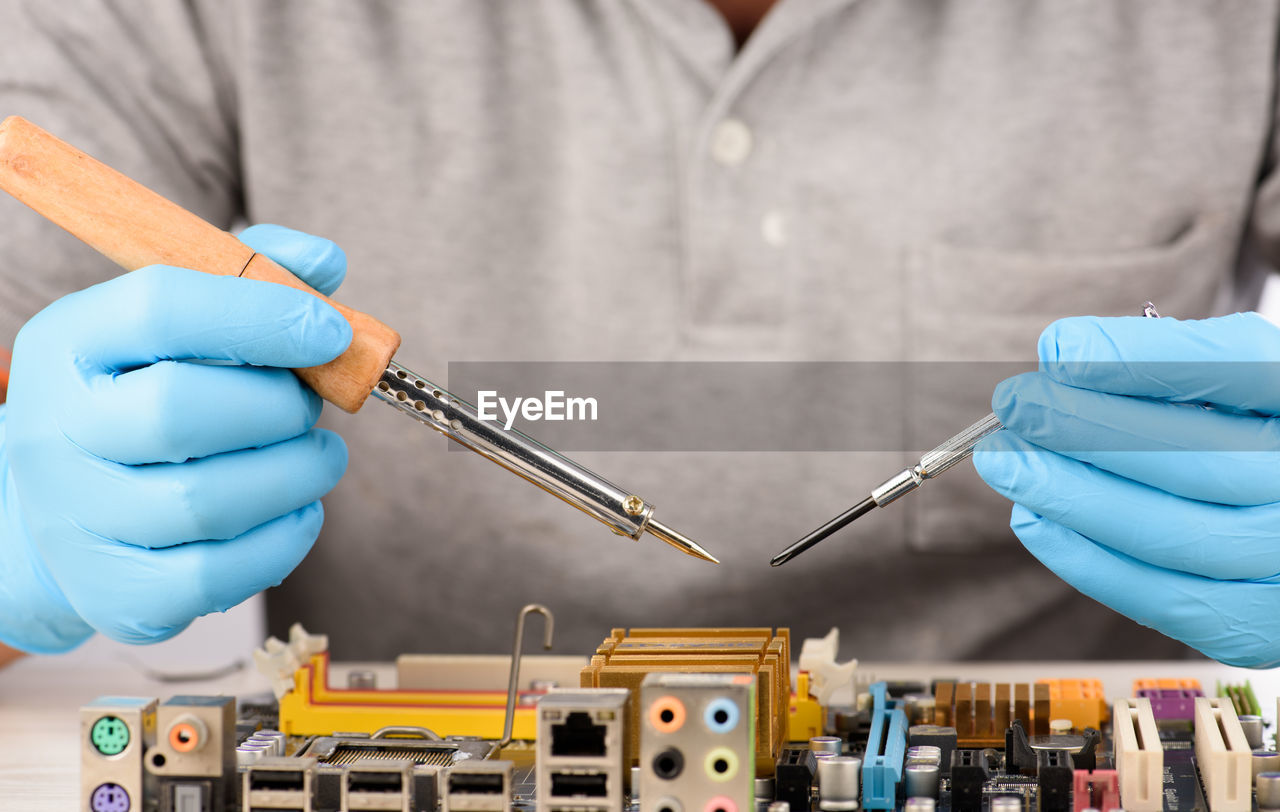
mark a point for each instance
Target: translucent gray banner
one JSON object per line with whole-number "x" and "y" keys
{"x": 890, "y": 406}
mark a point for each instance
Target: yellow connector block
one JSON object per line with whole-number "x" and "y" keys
{"x": 1083, "y": 701}
{"x": 807, "y": 718}
{"x": 1166, "y": 684}
{"x": 315, "y": 708}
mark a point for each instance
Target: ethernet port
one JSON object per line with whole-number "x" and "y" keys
{"x": 578, "y": 736}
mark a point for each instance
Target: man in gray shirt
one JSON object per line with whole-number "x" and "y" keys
{"x": 625, "y": 180}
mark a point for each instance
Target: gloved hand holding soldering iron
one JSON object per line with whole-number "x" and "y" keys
{"x": 1144, "y": 462}
{"x": 158, "y": 459}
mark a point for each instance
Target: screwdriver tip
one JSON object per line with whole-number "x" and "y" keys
{"x": 860, "y": 509}
{"x": 680, "y": 541}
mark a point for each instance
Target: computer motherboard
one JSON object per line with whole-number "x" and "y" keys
{"x": 677, "y": 720}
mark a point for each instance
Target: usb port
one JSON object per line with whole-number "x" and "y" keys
{"x": 577, "y": 785}
{"x": 358, "y": 781}
{"x": 475, "y": 783}
{"x": 276, "y": 780}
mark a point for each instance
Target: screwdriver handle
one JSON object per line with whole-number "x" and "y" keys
{"x": 134, "y": 227}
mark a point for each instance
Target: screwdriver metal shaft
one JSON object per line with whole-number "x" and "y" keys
{"x": 940, "y": 459}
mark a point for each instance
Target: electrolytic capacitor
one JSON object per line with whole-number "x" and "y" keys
{"x": 827, "y": 744}
{"x": 1268, "y": 790}
{"x": 1006, "y": 803}
{"x": 922, "y": 780}
{"x": 1264, "y": 761}
{"x": 924, "y": 754}
{"x": 839, "y": 787}
{"x": 1252, "y": 727}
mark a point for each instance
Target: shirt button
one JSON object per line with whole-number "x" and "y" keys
{"x": 773, "y": 228}
{"x": 730, "y": 142}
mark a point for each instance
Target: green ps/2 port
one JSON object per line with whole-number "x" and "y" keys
{"x": 109, "y": 735}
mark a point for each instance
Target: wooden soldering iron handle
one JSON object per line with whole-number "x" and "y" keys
{"x": 133, "y": 226}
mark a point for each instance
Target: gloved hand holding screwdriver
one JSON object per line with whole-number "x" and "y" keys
{"x": 1144, "y": 462}
{"x": 158, "y": 460}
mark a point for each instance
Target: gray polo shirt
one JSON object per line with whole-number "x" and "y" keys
{"x": 607, "y": 180}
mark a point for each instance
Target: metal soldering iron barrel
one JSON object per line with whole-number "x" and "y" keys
{"x": 623, "y": 512}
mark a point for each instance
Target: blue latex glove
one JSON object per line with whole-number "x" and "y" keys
{"x": 1166, "y": 511}
{"x": 140, "y": 490}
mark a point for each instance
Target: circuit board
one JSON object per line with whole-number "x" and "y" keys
{"x": 679, "y": 734}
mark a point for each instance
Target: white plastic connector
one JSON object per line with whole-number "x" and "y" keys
{"x": 277, "y": 660}
{"x": 1139, "y": 755}
{"x": 826, "y": 676}
{"x": 1223, "y": 756}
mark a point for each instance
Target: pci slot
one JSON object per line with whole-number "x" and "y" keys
{"x": 1223, "y": 756}
{"x": 886, "y": 749}
{"x": 1139, "y": 755}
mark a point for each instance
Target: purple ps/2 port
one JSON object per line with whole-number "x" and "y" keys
{"x": 109, "y": 798}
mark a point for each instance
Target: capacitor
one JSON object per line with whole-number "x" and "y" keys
{"x": 1252, "y": 727}
{"x": 924, "y": 754}
{"x": 1268, "y": 789}
{"x": 922, "y": 780}
{"x": 1006, "y": 803}
{"x": 838, "y": 783}
{"x": 1265, "y": 761}
{"x": 274, "y": 738}
{"x": 919, "y": 805}
{"x": 827, "y": 744}
{"x": 764, "y": 788}
{"x": 249, "y": 752}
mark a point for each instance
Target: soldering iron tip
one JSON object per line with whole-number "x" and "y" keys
{"x": 680, "y": 541}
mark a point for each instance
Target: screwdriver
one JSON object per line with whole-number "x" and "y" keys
{"x": 134, "y": 227}
{"x": 932, "y": 464}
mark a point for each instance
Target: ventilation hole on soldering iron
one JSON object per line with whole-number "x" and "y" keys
{"x": 420, "y": 384}
{"x": 383, "y": 386}
{"x": 436, "y": 393}
{"x": 420, "y": 405}
{"x": 401, "y": 396}
{"x": 401, "y": 374}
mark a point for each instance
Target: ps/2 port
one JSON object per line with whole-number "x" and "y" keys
{"x": 721, "y": 715}
{"x": 109, "y": 798}
{"x": 721, "y": 764}
{"x": 109, "y": 735}
{"x": 667, "y": 714}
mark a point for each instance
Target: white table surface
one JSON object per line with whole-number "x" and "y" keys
{"x": 40, "y": 699}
